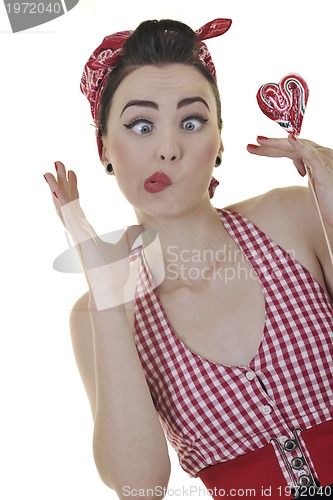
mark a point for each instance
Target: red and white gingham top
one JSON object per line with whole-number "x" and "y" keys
{"x": 213, "y": 413}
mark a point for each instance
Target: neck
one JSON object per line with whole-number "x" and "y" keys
{"x": 192, "y": 242}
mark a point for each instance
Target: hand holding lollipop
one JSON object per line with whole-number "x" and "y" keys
{"x": 285, "y": 103}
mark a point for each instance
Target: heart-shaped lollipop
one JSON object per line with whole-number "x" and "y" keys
{"x": 285, "y": 103}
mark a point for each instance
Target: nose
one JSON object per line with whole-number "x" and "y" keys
{"x": 169, "y": 147}
{"x": 173, "y": 158}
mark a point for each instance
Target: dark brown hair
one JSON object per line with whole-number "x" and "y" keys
{"x": 155, "y": 43}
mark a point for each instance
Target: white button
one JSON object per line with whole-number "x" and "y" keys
{"x": 250, "y": 375}
{"x": 266, "y": 409}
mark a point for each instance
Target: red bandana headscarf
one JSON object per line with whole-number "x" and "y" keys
{"x": 106, "y": 56}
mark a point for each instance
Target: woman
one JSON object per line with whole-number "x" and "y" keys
{"x": 224, "y": 323}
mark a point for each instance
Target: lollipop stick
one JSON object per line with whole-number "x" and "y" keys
{"x": 319, "y": 212}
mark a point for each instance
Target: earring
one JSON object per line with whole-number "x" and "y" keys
{"x": 109, "y": 168}
{"x": 218, "y": 161}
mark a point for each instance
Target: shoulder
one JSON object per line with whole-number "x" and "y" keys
{"x": 289, "y": 216}
{"x": 79, "y": 310}
{"x": 82, "y": 303}
{"x": 283, "y": 200}
{"x": 280, "y": 211}
{"x": 80, "y": 319}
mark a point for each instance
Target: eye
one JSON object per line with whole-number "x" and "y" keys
{"x": 193, "y": 123}
{"x": 140, "y": 126}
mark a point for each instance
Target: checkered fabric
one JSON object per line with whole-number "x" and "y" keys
{"x": 213, "y": 413}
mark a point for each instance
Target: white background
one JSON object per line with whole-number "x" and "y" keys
{"x": 46, "y": 426}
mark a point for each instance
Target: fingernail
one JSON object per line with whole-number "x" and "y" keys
{"x": 262, "y": 138}
{"x": 55, "y": 166}
{"x": 45, "y": 178}
{"x": 55, "y": 194}
{"x": 253, "y": 146}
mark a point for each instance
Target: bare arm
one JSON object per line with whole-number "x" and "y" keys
{"x": 129, "y": 444}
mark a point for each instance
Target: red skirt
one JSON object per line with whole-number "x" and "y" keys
{"x": 258, "y": 475}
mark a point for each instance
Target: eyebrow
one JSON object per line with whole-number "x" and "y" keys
{"x": 137, "y": 102}
{"x": 153, "y": 105}
{"x": 189, "y": 100}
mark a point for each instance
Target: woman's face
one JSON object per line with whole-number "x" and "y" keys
{"x": 163, "y": 120}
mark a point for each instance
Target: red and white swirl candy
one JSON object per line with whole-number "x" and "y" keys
{"x": 285, "y": 102}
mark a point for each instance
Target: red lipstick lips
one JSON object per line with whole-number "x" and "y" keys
{"x": 157, "y": 182}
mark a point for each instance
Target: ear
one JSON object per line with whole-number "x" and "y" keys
{"x": 104, "y": 158}
{"x": 221, "y": 147}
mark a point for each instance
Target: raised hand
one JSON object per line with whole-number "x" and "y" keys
{"x": 106, "y": 266}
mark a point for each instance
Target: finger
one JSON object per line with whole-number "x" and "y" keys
{"x": 285, "y": 144}
{"x": 59, "y": 198}
{"x": 278, "y": 148}
{"x": 309, "y": 154}
{"x": 271, "y": 147}
{"x": 278, "y": 144}
{"x": 300, "y": 167}
{"x": 272, "y": 152}
{"x": 73, "y": 193}
{"x": 55, "y": 198}
{"x": 54, "y": 188}
{"x": 51, "y": 181}
{"x": 313, "y": 159}
{"x": 61, "y": 176}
